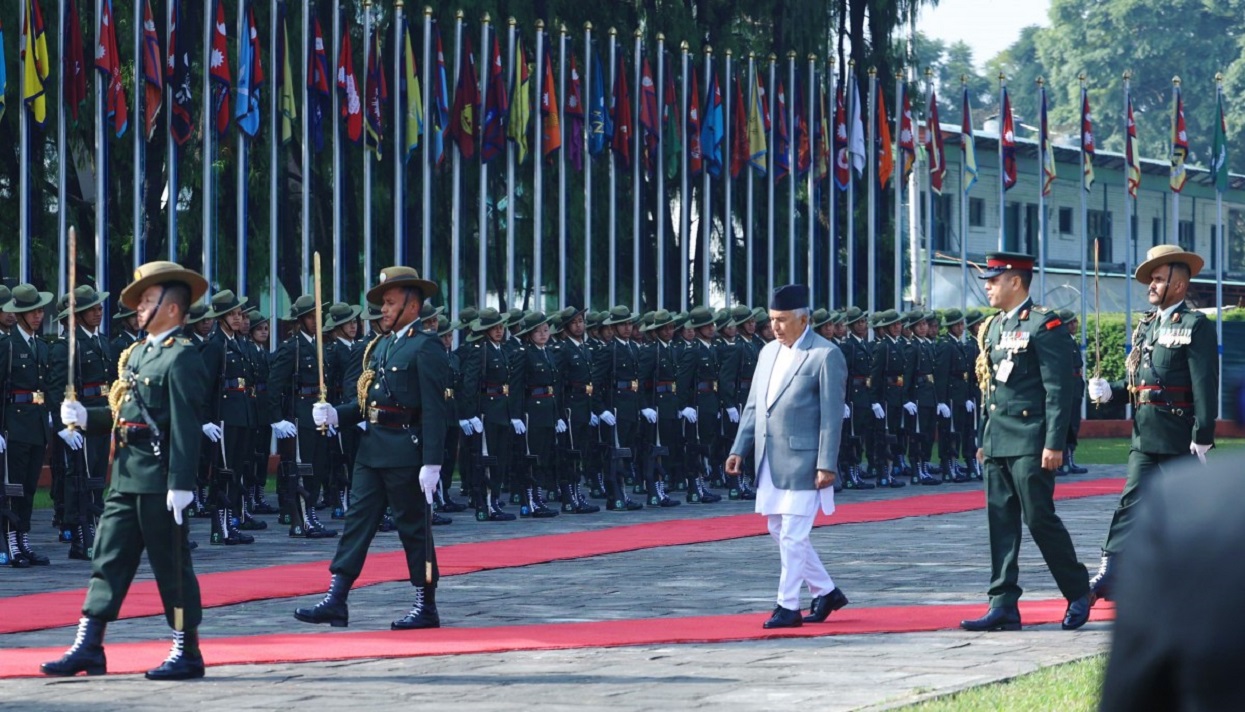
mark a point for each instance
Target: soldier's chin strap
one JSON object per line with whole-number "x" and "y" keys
{"x": 152, "y": 314}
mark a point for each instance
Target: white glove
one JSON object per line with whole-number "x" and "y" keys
{"x": 910, "y": 407}
{"x": 72, "y": 438}
{"x": 466, "y": 426}
{"x": 593, "y": 420}
{"x": 649, "y": 414}
{"x": 429, "y": 478}
{"x": 847, "y": 411}
{"x": 3, "y": 445}
{"x": 73, "y": 413}
{"x": 362, "y": 425}
{"x": 332, "y": 431}
{"x": 608, "y": 418}
{"x": 1099, "y": 390}
{"x": 878, "y": 412}
{"x": 477, "y": 425}
{"x": 560, "y": 427}
{"x": 212, "y": 431}
{"x": 944, "y": 411}
{"x": 733, "y": 414}
{"x": 688, "y": 414}
{"x": 970, "y": 406}
{"x": 519, "y": 427}
{"x": 323, "y": 413}
{"x": 176, "y": 502}
{"x": 1200, "y": 451}
{"x": 284, "y": 429}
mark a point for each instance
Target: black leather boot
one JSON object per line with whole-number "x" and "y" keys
{"x": 85, "y": 655}
{"x": 313, "y": 529}
{"x": 1071, "y": 463}
{"x": 1100, "y": 584}
{"x": 261, "y": 506}
{"x": 23, "y": 545}
{"x": 332, "y": 609}
{"x": 423, "y": 613}
{"x": 79, "y": 549}
{"x": 585, "y": 507}
{"x": 184, "y": 662}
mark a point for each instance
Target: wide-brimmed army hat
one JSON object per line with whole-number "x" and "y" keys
{"x": 1166, "y": 255}
{"x": 722, "y": 319}
{"x": 531, "y": 322}
{"x": 741, "y": 314}
{"x": 443, "y": 326}
{"x": 257, "y": 319}
{"x": 6, "y": 296}
{"x": 122, "y": 313}
{"x": 161, "y": 272}
{"x": 886, "y": 318}
{"x": 854, "y": 314}
{"x": 302, "y": 306}
{"x": 514, "y": 317}
{"x": 370, "y": 313}
{"x": 428, "y": 311}
{"x": 820, "y": 317}
{"x": 569, "y": 313}
{"x": 973, "y": 317}
{"x": 836, "y": 317}
{"x": 340, "y": 314}
{"x": 951, "y": 317}
{"x": 620, "y": 314}
{"x": 700, "y": 316}
{"x": 86, "y": 297}
{"x": 661, "y": 317}
{"x": 1067, "y": 316}
{"x": 487, "y": 319}
{"x": 761, "y": 315}
{"x": 465, "y": 316}
{"x": 198, "y": 312}
{"x": 224, "y": 302}
{"x": 399, "y": 276}
{"x": 592, "y": 320}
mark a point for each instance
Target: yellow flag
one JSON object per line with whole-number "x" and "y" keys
{"x": 414, "y": 98}
{"x": 756, "y": 133}
{"x": 34, "y": 56}
{"x": 520, "y": 104}
{"x": 289, "y": 110}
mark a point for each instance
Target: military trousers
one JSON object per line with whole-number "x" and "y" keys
{"x": 968, "y": 432}
{"x": 574, "y": 445}
{"x": 130, "y": 524}
{"x": 449, "y": 460}
{"x": 1019, "y": 491}
{"x": 537, "y": 457}
{"x": 920, "y": 429}
{"x": 261, "y": 446}
{"x": 25, "y": 461}
{"x": 313, "y": 448}
{"x": 398, "y": 488}
{"x": 1142, "y": 468}
{"x": 86, "y": 471}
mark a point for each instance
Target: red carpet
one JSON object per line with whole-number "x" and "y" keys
{"x": 329, "y": 646}
{"x": 61, "y": 608}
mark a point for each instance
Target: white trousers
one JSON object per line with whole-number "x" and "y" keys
{"x": 800, "y": 562}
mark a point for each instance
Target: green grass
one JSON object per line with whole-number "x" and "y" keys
{"x": 1114, "y": 451}
{"x": 1071, "y": 687}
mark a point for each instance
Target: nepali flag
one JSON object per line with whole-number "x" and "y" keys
{"x": 108, "y": 63}
{"x": 181, "y": 120}
{"x": 574, "y": 113}
{"x": 73, "y": 64}
{"x": 935, "y": 147}
{"x": 496, "y": 108}
{"x": 350, "y": 103}
{"x": 153, "y": 78}
{"x": 1009, "y": 144}
{"x": 550, "y": 122}
{"x": 219, "y": 71}
{"x": 317, "y": 85}
{"x": 649, "y": 120}
{"x": 621, "y": 104}
{"x": 695, "y": 159}
{"x": 842, "y": 159}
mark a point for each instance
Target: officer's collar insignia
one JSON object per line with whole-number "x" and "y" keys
{"x": 1024, "y": 315}
{"x": 168, "y": 342}
{"x": 1175, "y": 316}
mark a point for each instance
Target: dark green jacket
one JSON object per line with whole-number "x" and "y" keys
{"x": 294, "y": 380}
{"x": 575, "y": 367}
{"x": 534, "y": 379}
{"x": 25, "y": 369}
{"x": 660, "y": 368}
{"x": 699, "y": 369}
{"x": 953, "y": 372}
{"x": 96, "y": 370}
{"x": 921, "y": 357}
{"x": 616, "y": 369}
{"x": 889, "y": 373}
{"x": 487, "y": 393}
{"x": 230, "y": 365}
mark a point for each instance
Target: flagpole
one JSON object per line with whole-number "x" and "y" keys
{"x": 831, "y": 246}
{"x": 511, "y": 73}
{"x": 612, "y": 230}
{"x": 23, "y": 129}
{"x": 1002, "y": 170}
{"x": 871, "y": 224}
{"x": 305, "y": 157}
{"x": 704, "y": 235}
{"x": 772, "y": 176}
{"x": 811, "y": 132}
{"x": 791, "y": 166}
{"x": 929, "y": 191}
{"x": 1129, "y": 206}
{"x": 562, "y": 298}
{"x": 139, "y": 136}
{"x": 586, "y": 90}
{"x": 425, "y": 165}
{"x": 240, "y": 239}
{"x": 482, "y": 206}
{"x": 850, "y": 206}
{"x": 636, "y": 182}
{"x": 749, "y": 227}
{"x": 274, "y": 152}
{"x": 170, "y": 146}
{"x": 538, "y": 164}
{"x": 339, "y": 196}
{"x": 399, "y": 144}
{"x": 62, "y": 217}
{"x": 1041, "y": 176}
{"x": 456, "y": 198}
{"x": 662, "y": 209}
{"x": 1084, "y": 220}
{"x": 968, "y": 119}
{"x": 1174, "y": 237}
{"x": 209, "y": 148}
{"x": 1220, "y": 255}
{"x": 685, "y": 219}
{"x": 898, "y": 190}
{"x": 728, "y": 223}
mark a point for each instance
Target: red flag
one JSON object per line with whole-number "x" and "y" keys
{"x": 574, "y": 113}
{"x": 108, "y": 63}
{"x": 782, "y": 139}
{"x": 1131, "y": 155}
{"x": 73, "y": 64}
{"x": 621, "y": 142}
{"x": 1009, "y": 144}
{"x": 1087, "y": 141}
{"x": 741, "y": 152}
{"x": 695, "y": 160}
{"x": 348, "y": 84}
{"x": 842, "y": 158}
{"x": 496, "y": 109}
{"x": 803, "y": 142}
{"x": 377, "y": 96}
{"x": 153, "y": 78}
{"x": 907, "y": 142}
{"x": 648, "y": 115}
{"x": 462, "y": 128}
{"x": 221, "y": 77}
{"x": 551, "y": 123}
{"x": 935, "y": 147}
{"x": 886, "y": 159}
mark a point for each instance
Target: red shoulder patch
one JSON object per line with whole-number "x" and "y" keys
{"x": 1054, "y": 323}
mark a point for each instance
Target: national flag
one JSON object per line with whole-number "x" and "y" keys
{"x": 1132, "y": 155}
{"x": 574, "y": 112}
{"x": 671, "y": 135}
{"x": 886, "y": 159}
{"x": 153, "y": 77}
{"x": 803, "y": 139}
{"x": 907, "y": 141}
{"x": 1087, "y": 140}
{"x": 34, "y": 56}
{"x": 550, "y": 122}
{"x": 758, "y": 129}
{"x": 621, "y": 110}
{"x": 377, "y": 97}
{"x": 856, "y": 135}
{"x": 108, "y": 63}
{"x": 466, "y": 101}
{"x": 1008, "y": 138}
{"x": 648, "y": 115}
{"x": 712, "y": 130}
{"x": 73, "y": 63}
{"x": 350, "y": 104}
{"x": 695, "y": 158}
{"x": 1048, "y": 151}
{"x": 1219, "y": 149}
{"x": 317, "y": 85}
{"x": 439, "y": 114}
{"x": 1180, "y": 146}
{"x": 411, "y": 92}
{"x": 4, "y": 76}
{"x": 967, "y": 145}
{"x": 782, "y": 140}
{"x": 825, "y": 144}
{"x": 250, "y": 78}
{"x": 842, "y": 155}
{"x": 179, "y": 75}
{"x": 520, "y": 103}
{"x": 222, "y": 79}
{"x": 740, "y": 151}
{"x": 600, "y": 126}
{"x": 496, "y": 108}
{"x": 937, "y": 150}
{"x": 285, "y": 78}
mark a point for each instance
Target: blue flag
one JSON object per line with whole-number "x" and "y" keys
{"x": 712, "y": 131}
{"x": 250, "y": 78}
{"x": 440, "y": 109}
{"x": 4, "y": 79}
{"x": 600, "y": 127}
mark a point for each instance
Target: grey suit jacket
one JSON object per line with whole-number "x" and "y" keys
{"x": 800, "y": 431}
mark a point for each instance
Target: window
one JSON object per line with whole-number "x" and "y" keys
{"x": 976, "y": 212}
{"x": 1065, "y": 221}
{"x": 1187, "y": 239}
{"x": 942, "y": 222}
{"x": 1011, "y": 228}
{"x": 1235, "y": 249}
{"x": 1098, "y": 224}
{"x": 1156, "y": 232}
{"x": 1030, "y": 243}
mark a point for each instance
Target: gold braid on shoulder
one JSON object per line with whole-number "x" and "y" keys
{"x": 365, "y": 378}
{"x": 983, "y": 356}
{"x": 121, "y": 386}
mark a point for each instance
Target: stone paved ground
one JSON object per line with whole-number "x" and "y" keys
{"x": 925, "y": 560}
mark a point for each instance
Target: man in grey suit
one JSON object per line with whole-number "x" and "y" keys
{"x": 798, "y": 390}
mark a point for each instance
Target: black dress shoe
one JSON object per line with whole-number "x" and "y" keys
{"x": 1077, "y": 614}
{"x": 439, "y": 520}
{"x": 784, "y": 618}
{"x": 1000, "y": 618}
{"x": 823, "y": 606}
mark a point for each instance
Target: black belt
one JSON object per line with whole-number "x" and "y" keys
{"x": 540, "y": 392}
{"x": 580, "y": 388}
{"x": 308, "y": 390}
{"x": 20, "y": 397}
{"x": 496, "y": 391}
{"x": 94, "y": 390}
{"x": 236, "y": 384}
{"x": 707, "y": 387}
{"x": 665, "y": 387}
{"x": 394, "y": 417}
{"x": 133, "y": 433}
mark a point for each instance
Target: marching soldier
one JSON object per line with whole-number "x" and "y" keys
{"x": 85, "y": 457}
{"x": 1024, "y": 371}
{"x": 487, "y": 397}
{"x": 293, "y": 387}
{"x": 617, "y": 369}
{"x": 699, "y": 403}
{"x": 858, "y": 354}
{"x": 259, "y": 333}
{"x": 953, "y": 372}
{"x": 889, "y": 376}
{"x": 659, "y": 371}
{"x": 1172, "y": 378}
{"x": 401, "y": 396}
{"x": 921, "y": 398}
{"x": 535, "y": 379}
{"x": 580, "y": 407}
{"x": 156, "y": 421}
{"x": 1070, "y": 467}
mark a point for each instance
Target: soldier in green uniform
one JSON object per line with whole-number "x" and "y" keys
{"x": 953, "y": 373}
{"x": 462, "y": 327}
{"x": 973, "y": 319}
{"x": 7, "y": 320}
{"x": 156, "y": 419}
{"x": 86, "y": 458}
{"x": 127, "y": 333}
{"x": 699, "y": 403}
{"x": 764, "y": 331}
{"x": 444, "y": 502}
{"x": 200, "y": 324}
{"x": 822, "y": 323}
{"x": 401, "y": 396}
{"x": 1024, "y": 370}
{"x": 581, "y": 403}
{"x": 487, "y": 397}
{"x": 730, "y": 357}
{"x": 888, "y": 379}
{"x": 1071, "y": 323}
{"x": 617, "y": 369}
{"x": 25, "y": 419}
{"x": 534, "y": 379}
{"x": 1172, "y": 375}
{"x": 750, "y": 350}
{"x": 658, "y": 374}
{"x": 259, "y": 333}
{"x": 922, "y": 403}
{"x": 858, "y": 354}
{"x": 340, "y": 324}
